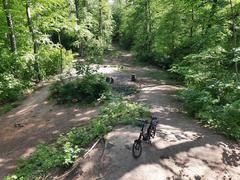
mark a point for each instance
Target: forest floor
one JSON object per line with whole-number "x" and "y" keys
{"x": 182, "y": 148}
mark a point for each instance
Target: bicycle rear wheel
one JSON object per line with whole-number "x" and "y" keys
{"x": 137, "y": 149}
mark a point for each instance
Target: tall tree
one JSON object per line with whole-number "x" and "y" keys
{"x": 34, "y": 42}
{"x": 11, "y": 35}
{"x": 100, "y": 19}
{"x": 234, "y": 35}
{"x": 30, "y": 26}
{"x": 76, "y": 3}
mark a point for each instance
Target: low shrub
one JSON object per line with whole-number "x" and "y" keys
{"x": 215, "y": 111}
{"x": 65, "y": 150}
{"x": 52, "y": 60}
{"x": 230, "y": 119}
{"x": 86, "y": 89}
{"x": 196, "y": 100}
{"x": 10, "y": 88}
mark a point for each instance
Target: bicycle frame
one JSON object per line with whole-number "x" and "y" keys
{"x": 137, "y": 147}
{"x": 141, "y": 133}
{"x": 150, "y": 130}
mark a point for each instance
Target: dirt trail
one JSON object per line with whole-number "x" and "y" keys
{"x": 182, "y": 148}
{"x": 42, "y": 121}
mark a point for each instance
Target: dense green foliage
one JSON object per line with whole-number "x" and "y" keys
{"x": 37, "y": 39}
{"x": 65, "y": 150}
{"x": 86, "y": 89}
{"x": 198, "y": 40}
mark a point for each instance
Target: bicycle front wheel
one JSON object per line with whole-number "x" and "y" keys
{"x": 137, "y": 149}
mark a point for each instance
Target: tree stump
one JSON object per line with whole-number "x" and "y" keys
{"x": 133, "y": 78}
{"x": 109, "y": 80}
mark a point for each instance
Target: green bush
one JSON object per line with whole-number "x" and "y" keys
{"x": 196, "y": 101}
{"x": 218, "y": 108}
{"x": 213, "y": 92}
{"x": 52, "y": 59}
{"x": 10, "y": 88}
{"x": 65, "y": 150}
{"x": 17, "y": 72}
{"x": 230, "y": 119}
{"x": 87, "y": 89}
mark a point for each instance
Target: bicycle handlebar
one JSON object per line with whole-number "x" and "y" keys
{"x": 143, "y": 121}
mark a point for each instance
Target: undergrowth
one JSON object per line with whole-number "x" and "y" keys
{"x": 212, "y": 93}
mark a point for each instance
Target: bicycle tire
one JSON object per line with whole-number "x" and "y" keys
{"x": 137, "y": 146}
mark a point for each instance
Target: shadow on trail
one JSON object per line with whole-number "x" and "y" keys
{"x": 172, "y": 160}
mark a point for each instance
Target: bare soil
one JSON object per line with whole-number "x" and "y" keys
{"x": 182, "y": 148}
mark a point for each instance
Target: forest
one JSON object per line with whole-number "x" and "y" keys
{"x": 196, "y": 42}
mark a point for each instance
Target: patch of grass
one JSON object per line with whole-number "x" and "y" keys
{"x": 68, "y": 147}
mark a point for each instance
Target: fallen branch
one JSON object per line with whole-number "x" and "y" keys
{"x": 85, "y": 155}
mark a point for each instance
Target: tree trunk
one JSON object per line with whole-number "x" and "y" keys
{"x": 148, "y": 26}
{"x": 35, "y": 45}
{"x": 234, "y": 33}
{"x": 212, "y": 14}
{"x": 100, "y": 28}
{"x": 11, "y": 35}
{"x": 76, "y": 3}
{"x": 30, "y": 26}
{"x": 61, "y": 51}
{"x": 192, "y": 21}
{"x": 173, "y": 26}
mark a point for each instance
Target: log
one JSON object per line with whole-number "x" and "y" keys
{"x": 93, "y": 146}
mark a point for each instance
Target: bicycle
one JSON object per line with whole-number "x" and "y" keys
{"x": 137, "y": 145}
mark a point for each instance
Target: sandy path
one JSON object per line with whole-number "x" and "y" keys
{"x": 182, "y": 148}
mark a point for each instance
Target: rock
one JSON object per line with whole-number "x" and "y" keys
{"x": 127, "y": 146}
{"x": 109, "y": 145}
{"x": 110, "y": 128}
{"x": 18, "y": 125}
